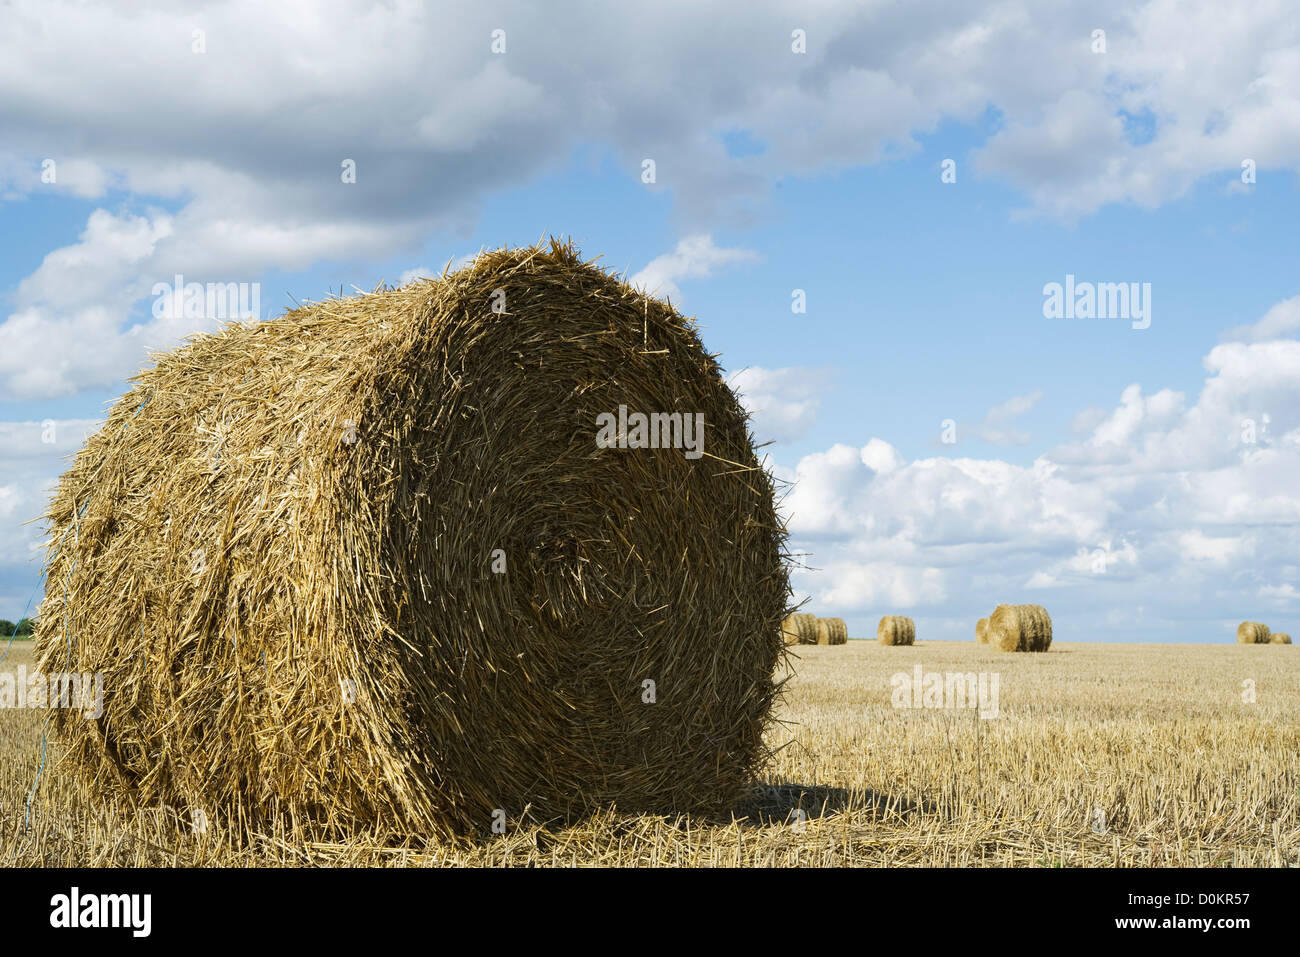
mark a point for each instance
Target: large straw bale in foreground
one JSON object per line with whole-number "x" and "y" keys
{"x": 1020, "y": 628}
{"x": 832, "y": 631}
{"x": 800, "y": 629}
{"x": 896, "y": 630}
{"x": 365, "y": 564}
{"x": 1252, "y": 633}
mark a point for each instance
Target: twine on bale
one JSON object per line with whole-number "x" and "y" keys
{"x": 896, "y": 630}
{"x": 366, "y": 564}
{"x": 1020, "y": 628}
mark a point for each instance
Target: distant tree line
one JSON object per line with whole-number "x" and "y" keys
{"x": 21, "y": 630}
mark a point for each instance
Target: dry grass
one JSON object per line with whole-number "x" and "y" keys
{"x": 1156, "y": 737}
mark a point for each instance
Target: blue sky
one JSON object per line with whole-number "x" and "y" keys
{"x": 1098, "y": 469}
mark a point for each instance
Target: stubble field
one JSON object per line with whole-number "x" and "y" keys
{"x": 1098, "y": 755}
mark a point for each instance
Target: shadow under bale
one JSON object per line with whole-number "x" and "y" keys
{"x": 776, "y": 804}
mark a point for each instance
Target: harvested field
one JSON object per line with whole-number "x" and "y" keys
{"x": 1160, "y": 739}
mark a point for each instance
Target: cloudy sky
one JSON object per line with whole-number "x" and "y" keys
{"x": 914, "y": 174}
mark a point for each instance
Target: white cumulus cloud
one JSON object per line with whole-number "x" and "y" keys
{"x": 1170, "y": 515}
{"x": 695, "y": 257}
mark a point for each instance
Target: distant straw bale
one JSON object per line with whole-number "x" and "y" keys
{"x": 799, "y": 628}
{"x": 832, "y": 631}
{"x": 896, "y": 630}
{"x": 1020, "y": 628}
{"x": 1252, "y": 633}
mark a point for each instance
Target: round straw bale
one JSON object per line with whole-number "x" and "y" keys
{"x": 982, "y": 631}
{"x": 423, "y": 559}
{"x": 1252, "y": 633}
{"x": 832, "y": 631}
{"x": 1020, "y": 628}
{"x": 1279, "y": 638}
{"x": 896, "y": 630}
{"x": 800, "y": 629}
